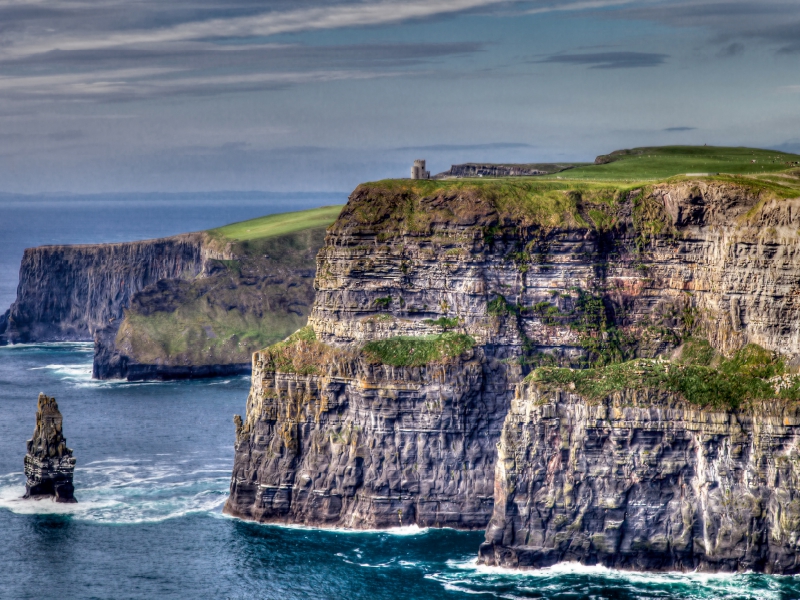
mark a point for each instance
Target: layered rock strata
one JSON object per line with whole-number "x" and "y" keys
{"x": 567, "y": 278}
{"x": 49, "y": 464}
{"x": 370, "y": 446}
{"x": 68, "y": 293}
{"x": 193, "y": 305}
{"x": 642, "y": 480}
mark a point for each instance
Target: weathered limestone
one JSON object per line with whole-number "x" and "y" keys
{"x": 363, "y": 445}
{"x": 49, "y": 464}
{"x": 371, "y": 446}
{"x": 642, "y": 481}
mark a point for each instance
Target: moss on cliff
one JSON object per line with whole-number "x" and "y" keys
{"x": 301, "y": 353}
{"x": 238, "y": 306}
{"x": 407, "y": 351}
{"x": 750, "y": 375}
{"x": 490, "y": 209}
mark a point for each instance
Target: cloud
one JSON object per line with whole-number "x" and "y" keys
{"x": 609, "y": 60}
{"x": 65, "y": 136}
{"x": 252, "y": 25}
{"x": 679, "y": 129}
{"x": 133, "y": 84}
{"x": 576, "y": 6}
{"x": 773, "y": 23}
{"x": 731, "y": 50}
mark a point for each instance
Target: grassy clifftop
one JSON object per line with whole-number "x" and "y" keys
{"x": 569, "y": 198}
{"x": 240, "y": 305}
{"x": 281, "y": 224}
{"x": 670, "y": 161}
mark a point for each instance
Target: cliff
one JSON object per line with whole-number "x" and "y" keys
{"x": 211, "y": 325}
{"x": 68, "y": 293}
{"x": 193, "y": 305}
{"x": 648, "y": 474}
{"x": 435, "y": 299}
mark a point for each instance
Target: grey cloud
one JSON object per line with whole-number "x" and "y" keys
{"x": 65, "y": 136}
{"x": 140, "y": 84}
{"x": 209, "y": 69}
{"x": 733, "y": 49}
{"x": 263, "y": 56}
{"x": 609, "y": 60}
{"x": 679, "y": 129}
{"x": 772, "y": 22}
{"x": 249, "y": 24}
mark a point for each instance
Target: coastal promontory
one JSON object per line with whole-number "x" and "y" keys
{"x": 597, "y": 364}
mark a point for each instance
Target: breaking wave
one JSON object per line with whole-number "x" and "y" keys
{"x": 119, "y": 491}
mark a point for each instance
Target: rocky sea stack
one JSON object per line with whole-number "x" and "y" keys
{"x": 49, "y": 464}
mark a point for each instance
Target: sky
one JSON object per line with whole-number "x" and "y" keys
{"x": 100, "y": 96}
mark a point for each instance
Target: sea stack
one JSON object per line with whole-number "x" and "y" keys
{"x": 49, "y": 464}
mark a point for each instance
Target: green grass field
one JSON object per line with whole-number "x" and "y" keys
{"x": 662, "y": 162}
{"x": 280, "y": 224}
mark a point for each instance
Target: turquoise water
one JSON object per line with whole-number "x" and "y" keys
{"x": 154, "y": 463}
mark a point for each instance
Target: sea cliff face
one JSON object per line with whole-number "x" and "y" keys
{"x": 343, "y": 434}
{"x": 68, "y": 293}
{"x": 193, "y": 305}
{"x": 369, "y": 446}
{"x": 210, "y": 325}
{"x": 643, "y": 480}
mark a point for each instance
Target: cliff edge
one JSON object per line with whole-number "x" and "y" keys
{"x": 193, "y": 305}
{"x": 435, "y": 299}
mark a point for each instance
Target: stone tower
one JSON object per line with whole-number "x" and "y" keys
{"x": 418, "y": 170}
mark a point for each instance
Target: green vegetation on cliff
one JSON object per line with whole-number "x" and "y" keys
{"x": 278, "y": 225}
{"x": 593, "y": 196}
{"x": 301, "y": 353}
{"x": 408, "y": 351}
{"x": 304, "y": 354}
{"x": 257, "y": 298}
{"x": 699, "y": 376}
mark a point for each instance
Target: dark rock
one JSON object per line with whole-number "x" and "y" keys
{"x": 49, "y": 464}
{"x": 66, "y": 293}
{"x": 644, "y": 481}
{"x": 503, "y": 170}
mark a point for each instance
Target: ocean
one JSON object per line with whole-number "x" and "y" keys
{"x": 154, "y": 463}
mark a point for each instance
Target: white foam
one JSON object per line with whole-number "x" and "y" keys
{"x": 121, "y": 491}
{"x": 396, "y": 531}
{"x": 76, "y": 346}
{"x": 724, "y": 583}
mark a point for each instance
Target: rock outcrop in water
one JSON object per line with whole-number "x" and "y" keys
{"x": 345, "y": 427}
{"x": 49, "y": 464}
